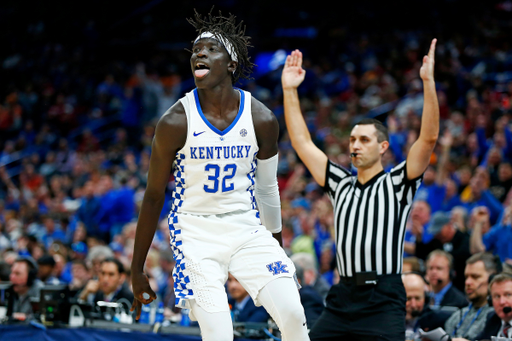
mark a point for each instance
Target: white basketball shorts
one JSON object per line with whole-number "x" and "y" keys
{"x": 206, "y": 248}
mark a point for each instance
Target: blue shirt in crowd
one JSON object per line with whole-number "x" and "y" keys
{"x": 499, "y": 241}
{"x": 438, "y": 298}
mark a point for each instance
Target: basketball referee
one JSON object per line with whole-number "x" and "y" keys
{"x": 370, "y": 212}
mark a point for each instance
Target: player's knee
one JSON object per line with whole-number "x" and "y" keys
{"x": 293, "y": 315}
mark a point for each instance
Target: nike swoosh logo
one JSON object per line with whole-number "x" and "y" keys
{"x": 197, "y": 134}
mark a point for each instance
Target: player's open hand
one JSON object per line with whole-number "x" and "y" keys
{"x": 142, "y": 293}
{"x": 293, "y": 73}
{"x": 427, "y": 68}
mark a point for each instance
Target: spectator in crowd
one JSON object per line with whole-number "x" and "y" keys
{"x": 111, "y": 285}
{"x": 80, "y": 276}
{"x": 311, "y": 277}
{"x": 242, "y": 306}
{"x": 107, "y": 195}
{"x": 311, "y": 301}
{"x": 448, "y": 238}
{"x": 122, "y": 211}
{"x": 478, "y": 194}
{"x": 499, "y": 322}
{"x": 443, "y": 194}
{"x": 61, "y": 269}
{"x": 51, "y": 231}
{"x": 416, "y": 227}
{"x": 497, "y": 239}
{"x": 25, "y": 286}
{"x": 439, "y": 275}
{"x": 46, "y": 265}
{"x": 459, "y": 216}
{"x": 502, "y": 182}
{"x": 89, "y": 209}
{"x": 411, "y": 264}
{"x": 166, "y": 263}
{"x": 95, "y": 256}
{"x": 79, "y": 250}
{"x": 467, "y": 323}
{"x": 418, "y": 313}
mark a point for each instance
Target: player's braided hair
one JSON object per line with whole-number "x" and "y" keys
{"x": 233, "y": 32}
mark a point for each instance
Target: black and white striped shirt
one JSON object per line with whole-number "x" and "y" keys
{"x": 370, "y": 219}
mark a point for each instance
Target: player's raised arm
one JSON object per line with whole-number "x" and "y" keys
{"x": 420, "y": 152}
{"x": 314, "y": 159}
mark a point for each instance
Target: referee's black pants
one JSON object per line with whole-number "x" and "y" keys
{"x": 363, "y": 313}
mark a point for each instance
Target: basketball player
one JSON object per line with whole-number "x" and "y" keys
{"x": 221, "y": 145}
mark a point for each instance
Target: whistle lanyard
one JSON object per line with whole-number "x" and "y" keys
{"x": 464, "y": 317}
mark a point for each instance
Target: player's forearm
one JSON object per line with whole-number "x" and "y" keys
{"x": 295, "y": 124}
{"x": 146, "y": 227}
{"x": 278, "y": 237}
{"x": 267, "y": 193}
{"x": 430, "y": 117}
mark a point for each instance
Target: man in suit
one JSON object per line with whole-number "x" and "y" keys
{"x": 110, "y": 286}
{"x": 311, "y": 277}
{"x": 446, "y": 237}
{"x": 443, "y": 293}
{"x": 242, "y": 306}
{"x": 499, "y": 322}
{"x": 310, "y": 299}
{"x": 418, "y": 313}
{"x": 415, "y": 290}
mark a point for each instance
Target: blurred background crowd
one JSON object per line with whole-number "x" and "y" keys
{"x": 81, "y": 89}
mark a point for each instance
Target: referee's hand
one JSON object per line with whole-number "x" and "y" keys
{"x": 293, "y": 73}
{"x": 140, "y": 284}
{"x": 427, "y": 69}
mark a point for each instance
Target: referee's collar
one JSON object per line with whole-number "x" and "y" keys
{"x": 371, "y": 181}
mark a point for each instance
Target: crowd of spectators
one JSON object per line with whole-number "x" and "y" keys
{"x": 75, "y": 149}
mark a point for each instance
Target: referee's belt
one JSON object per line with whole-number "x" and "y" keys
{"x": 362, "y": 278}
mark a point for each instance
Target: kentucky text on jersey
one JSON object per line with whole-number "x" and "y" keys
{"x": 220, "y": 152}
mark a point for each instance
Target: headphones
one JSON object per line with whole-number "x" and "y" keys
{"x": 452, "y": 274}
{"x": 499, "y": 270}
{"x": 32, "y": 266}
{"x": 499, "y": 267}
{"x": 427, "y": 283}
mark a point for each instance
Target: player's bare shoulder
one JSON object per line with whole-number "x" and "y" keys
{"x": 261, "y": 115}
{"x": 172, "y": 126}
{"x": 266, "y": 127}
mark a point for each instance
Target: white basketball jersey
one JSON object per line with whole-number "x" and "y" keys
{"x": 214, "y": 171}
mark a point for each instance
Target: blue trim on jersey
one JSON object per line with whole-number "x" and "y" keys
{"x": 251, "y": 176}
{"x": 181, "y": 279}
{"x": 179, "y": 179}
{"x": 238, "y": 115}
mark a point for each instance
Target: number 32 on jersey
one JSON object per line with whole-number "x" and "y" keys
{"x": 218, "y": 176}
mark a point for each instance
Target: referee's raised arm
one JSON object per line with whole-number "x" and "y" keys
{"x": 314, "y": 159}
{"x": 421, "y": 151}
